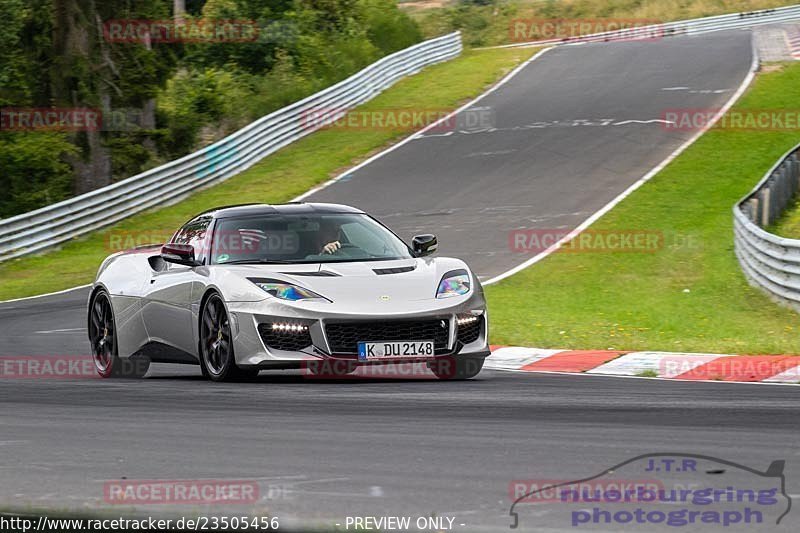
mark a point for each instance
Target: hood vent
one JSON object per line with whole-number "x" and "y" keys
{"x": 316, "y": 273}
{"x": 398, "y": 270}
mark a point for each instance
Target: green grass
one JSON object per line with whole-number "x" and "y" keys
{"x": 788, "y": 225}
{"x": 278, "y": 178}
{"x": 683, "y": 297}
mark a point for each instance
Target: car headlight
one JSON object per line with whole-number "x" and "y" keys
{"x": 285, "y": 290}
{"x": 454, "y": 283}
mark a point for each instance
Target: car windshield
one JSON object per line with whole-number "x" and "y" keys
{"x": 304, "y": 238}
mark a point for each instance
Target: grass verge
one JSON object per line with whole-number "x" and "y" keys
{"x": 689, "y": 295}
{"x": 278, "y": 178}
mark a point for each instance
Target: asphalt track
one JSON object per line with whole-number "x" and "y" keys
{"x": 562, "y": 138}
{"x": 374, "y": 448}
{"x": 325, "y": 450}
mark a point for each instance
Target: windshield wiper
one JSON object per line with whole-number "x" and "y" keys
{"x": 258, "y": 262}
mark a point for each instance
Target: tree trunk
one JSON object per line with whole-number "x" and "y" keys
{"x": 179, "y": 9}
{"x": 74, "y": 41}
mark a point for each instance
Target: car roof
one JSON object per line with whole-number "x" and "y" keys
{"x": 291, "y": 208}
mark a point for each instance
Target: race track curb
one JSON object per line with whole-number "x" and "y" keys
{"x": 664, "y": 365}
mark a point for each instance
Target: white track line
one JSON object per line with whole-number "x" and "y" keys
{"x": 67, "y": 330}
{"x": 423, "y": 130}
{"x": 46, "y": 295}
{"x": 610, "y": 205}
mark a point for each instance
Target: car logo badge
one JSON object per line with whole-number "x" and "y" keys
{"x": 384, "y": 298}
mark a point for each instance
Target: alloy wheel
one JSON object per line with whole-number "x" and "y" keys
{"x": 102, "y": 334}
{"x": 215, "y": 336}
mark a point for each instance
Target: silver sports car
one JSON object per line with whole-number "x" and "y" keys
{"x": 321, "y": 287}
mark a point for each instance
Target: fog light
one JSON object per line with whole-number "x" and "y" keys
{"x": 465, "y": 320}
{"x": 289, "y": 328}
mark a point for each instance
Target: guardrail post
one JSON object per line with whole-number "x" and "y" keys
{"x": 782, "y": 193}
{"x": 752, "y": 209}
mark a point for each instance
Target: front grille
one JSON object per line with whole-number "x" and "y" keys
{"x": 344, "y": 337}
{"x": 470, "y": 332}
{"x": 291, "y": 341}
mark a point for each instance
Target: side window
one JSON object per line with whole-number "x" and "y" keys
{"x": 194, "y": 233}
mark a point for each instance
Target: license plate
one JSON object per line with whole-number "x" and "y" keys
{"x": 369, "y": 351}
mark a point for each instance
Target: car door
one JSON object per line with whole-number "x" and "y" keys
{"x": 168, "y": 300}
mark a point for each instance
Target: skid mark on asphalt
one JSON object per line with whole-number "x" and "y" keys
{"x": 480, "y": 212}
{"x": 486, "y": 154}
{"x": 567, "y": 123}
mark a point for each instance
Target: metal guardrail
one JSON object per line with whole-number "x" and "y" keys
{"x": 770, "y": 262}
{"x": 36, "y": 230}
{"x": 681, "y": 27}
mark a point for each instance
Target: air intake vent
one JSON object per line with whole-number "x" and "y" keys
{"x": 316, "y": 273}
{"x": 398, "y": 270}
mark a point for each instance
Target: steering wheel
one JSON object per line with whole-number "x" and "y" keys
{"x": 345, "y": 246}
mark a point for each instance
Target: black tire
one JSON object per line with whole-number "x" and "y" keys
{"x": 103, "y": 338}
{"x": 457, "y": 367}
{"x": 217, "y": 360}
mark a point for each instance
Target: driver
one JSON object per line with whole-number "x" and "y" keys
{"x": 329, "y": 235}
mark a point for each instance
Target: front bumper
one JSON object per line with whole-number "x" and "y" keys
{"x": 252, "y": 351}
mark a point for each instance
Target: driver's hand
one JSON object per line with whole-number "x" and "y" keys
{"x": 331, "y": 247}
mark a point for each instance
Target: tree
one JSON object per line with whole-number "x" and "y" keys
{"x": 89, "y": 70}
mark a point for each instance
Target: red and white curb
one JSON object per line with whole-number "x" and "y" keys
{"x": 665, "y": 365}
{"x": 793, "y": 40}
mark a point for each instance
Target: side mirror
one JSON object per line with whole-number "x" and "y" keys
{"x": 181, "y": 254}
{"x": 424, "y": 245}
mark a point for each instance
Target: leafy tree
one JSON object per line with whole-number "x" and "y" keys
{"x": 14, "y": 86}
{"x": 55, "y": 53}
{"x": 34, "y": 173}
